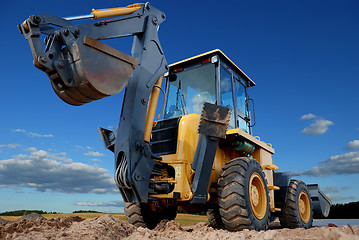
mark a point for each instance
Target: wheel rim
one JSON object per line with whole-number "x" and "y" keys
{"x": 304, "y": 206}
{"x": 257, "y": 195}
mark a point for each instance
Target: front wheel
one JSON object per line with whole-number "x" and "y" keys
{"x": 141, "y": 215}
{"x": 214, "y": 217}
{"x": 243, "y": 195}
{"x": 298, "y": 209}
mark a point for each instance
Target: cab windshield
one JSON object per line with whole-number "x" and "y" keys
{"x": 189, "y": 89}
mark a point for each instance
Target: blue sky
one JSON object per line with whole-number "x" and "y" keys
{"x": 303, "y": 56}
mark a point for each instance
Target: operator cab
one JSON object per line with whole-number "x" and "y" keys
{"x": 210, "y": 77}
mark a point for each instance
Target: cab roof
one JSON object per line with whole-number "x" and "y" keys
{"x": 209, "y": 54}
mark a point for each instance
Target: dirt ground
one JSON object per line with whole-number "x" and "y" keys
{"x": 109, "y": 227}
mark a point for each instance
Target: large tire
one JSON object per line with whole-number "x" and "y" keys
{"x": 297, "y": 211}
{"x": 214, "y": 217}
{"x": 243, "y": 195}
{"x": 169, "y": 213}
{"x": 140, "y": 214}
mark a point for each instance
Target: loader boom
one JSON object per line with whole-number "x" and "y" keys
{"x": 82, "y": 69}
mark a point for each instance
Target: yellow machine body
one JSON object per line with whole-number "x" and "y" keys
{"x": 187, "y": 139}
{"x": 181, "y": 161}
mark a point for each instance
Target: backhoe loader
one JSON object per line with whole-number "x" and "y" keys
{"x": 201, "y": 155}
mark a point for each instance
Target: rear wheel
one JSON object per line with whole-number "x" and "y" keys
{"x": 297, "y": 210}
{"x": 141, "y": 215}
{"x": 243, "y": 195}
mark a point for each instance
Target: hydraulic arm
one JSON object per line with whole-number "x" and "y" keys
{"x": 83, "y": 69}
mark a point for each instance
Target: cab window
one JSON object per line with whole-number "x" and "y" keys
{"x": 190, "y": 88}
{"x": 227, "y": 93}
{"x": 241, "y": 100}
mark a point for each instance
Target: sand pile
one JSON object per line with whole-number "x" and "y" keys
{"x": 172, "y": 230}
{"x": 104, "y": 227}
{"x": 109, "y": 227}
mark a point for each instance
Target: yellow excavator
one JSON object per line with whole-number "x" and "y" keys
{"x": 201, "y": 155}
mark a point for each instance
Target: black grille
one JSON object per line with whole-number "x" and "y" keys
{"x": 164, "y": 136}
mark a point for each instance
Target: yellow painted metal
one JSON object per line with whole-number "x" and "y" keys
{"x": 265, "y": 158}
{"x": 270, "y": 167}
{"x": 263, "y": 154}
{"x": 273, "y": 187}
{"x": 219, "y": 52}
{"x": 25, "y": 25}
{"x": 275, "y": 209}
{"x": 257, "y": 195}
{"x": 112, "y": 12}
{"x": 181, "y": 161}
{"x": 304, "y": 206}
{"x": 151, "y": 110}
{"x": 183, "y": 174}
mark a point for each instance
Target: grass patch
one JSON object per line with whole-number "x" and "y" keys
{"x": 190, "y": 219}
{"x": 10, "y": 218}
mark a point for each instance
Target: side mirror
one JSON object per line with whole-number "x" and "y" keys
{"x": 172, "y": 77}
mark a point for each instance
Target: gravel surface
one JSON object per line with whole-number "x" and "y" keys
{"x": 109, "y": 227}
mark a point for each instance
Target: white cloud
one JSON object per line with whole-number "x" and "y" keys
{"x": 101, "y": 204}
{"x": 94, "y": 154}
{"x": 334, "y": 189}
{"x": 53, "y": 156}
{"x": 339, "y": 164}
{"x": 10, "y": 146}
{"x": 45, "y": 171}
{"x": 32, "y": 134}
{"x": 95, "y": 160}
{"x": 308, "y": 116}
{"x": 320, "y": 126}
{"x": 20, "y": 156}
{"x": 341, "y": 199}
{"x": 39, "y": 135}
{"x": 60, "y": 157}
{"x": 353, "y": 145}
{"x": 31, "y": 149}
{"x": 19, "y": 130}
{"x": 83, "y": 148}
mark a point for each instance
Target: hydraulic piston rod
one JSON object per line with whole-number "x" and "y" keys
{"x": 101, "y": 13}
{"x": 107, "y": 12}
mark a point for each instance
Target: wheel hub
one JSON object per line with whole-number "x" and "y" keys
{"x": 257, "y": 195}
{"x": 304, "y": 206}
{"x": 301, "y": 206}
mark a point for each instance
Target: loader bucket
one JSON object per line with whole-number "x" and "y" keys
{"x": 89, "y": 70}
{"x": 321, "y": 203}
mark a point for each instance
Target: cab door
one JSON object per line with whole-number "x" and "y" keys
{"x": 233, "y": 94}
{"x": 240, "y": 100}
